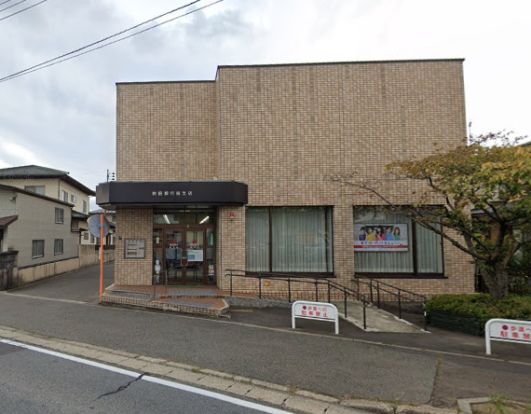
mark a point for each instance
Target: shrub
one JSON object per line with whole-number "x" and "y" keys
{"x": 476, "y": 309}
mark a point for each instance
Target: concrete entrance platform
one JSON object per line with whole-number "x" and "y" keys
{"x": 207, "y": 301}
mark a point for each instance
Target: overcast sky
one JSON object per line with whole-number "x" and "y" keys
{"x": 64, "y": 116}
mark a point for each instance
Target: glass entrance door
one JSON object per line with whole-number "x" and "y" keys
{"x": 184, "y": 254}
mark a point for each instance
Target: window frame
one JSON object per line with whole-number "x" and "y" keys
{"x": 33, "y": 256}
{"x": 55, "y": 251}
{"x": 62, "y": 215}
{"x": 329, "y": 230}
{"x": 65, "y": 196}
{"x": 404, "y": 275}
{"x": 32, "y": 189}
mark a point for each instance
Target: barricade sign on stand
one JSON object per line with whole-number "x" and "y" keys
{"x": 317, "y": 311}
{"x": 507, "y": 330}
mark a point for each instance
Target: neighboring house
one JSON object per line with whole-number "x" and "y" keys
{"x": 38, "y": 228}
{"x": 42, "y": 214}
{"x": 54, "y": 184}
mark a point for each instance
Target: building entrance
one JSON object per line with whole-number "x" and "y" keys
{"x": 183, "y": 253}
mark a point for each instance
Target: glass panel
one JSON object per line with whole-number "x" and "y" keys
{"x": 211, "y": 256}
{"x": 299, "y": 239}
{"x": 158, "y": 259}
{"x": 194, "y": 254}
{"x": 381, "y": 261}
{"x": 173, "y": 253}
{"x": 429, "y": 250}
{"x": 257, "y": 239}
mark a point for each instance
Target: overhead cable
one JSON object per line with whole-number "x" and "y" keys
{"x": 22, "y": 10}
{"x": 105, "y": 41}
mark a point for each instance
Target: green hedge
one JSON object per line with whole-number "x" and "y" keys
{"x": 469, "y": 313}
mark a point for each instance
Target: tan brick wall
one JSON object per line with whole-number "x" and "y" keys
{"x": 133, "y": 223}
{"x": 166, "y": 131}
{"x": 283, "y": 129}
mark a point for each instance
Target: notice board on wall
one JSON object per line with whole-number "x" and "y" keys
{"x": 135, "y": 248}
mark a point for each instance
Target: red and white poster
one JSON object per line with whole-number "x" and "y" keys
{"x": 381, "y": 238}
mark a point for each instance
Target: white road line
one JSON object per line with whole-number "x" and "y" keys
{"x": 22, "y": 295}
{"x": 155, "y": 380}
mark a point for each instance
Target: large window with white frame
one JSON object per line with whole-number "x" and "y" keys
{"x": 388, "y": 243}
{"x": 289, "y": 239}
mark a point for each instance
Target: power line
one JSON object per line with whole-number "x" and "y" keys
{"x": 7, "y": 78}
{"x": 22, "y": 10}
{"x": 5, "y": 1}
{"x": 13, "y": 5}
{"x": 46, "y": 62}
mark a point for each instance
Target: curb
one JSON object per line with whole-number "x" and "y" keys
{"x": 298, "y": 400}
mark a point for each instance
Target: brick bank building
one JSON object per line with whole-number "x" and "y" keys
{"x": 231, "y": 174}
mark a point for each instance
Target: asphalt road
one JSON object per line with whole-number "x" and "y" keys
{"x": 323, "y": 363}
{"x": 33, "y": 383}
{"x": 80, "y": 285}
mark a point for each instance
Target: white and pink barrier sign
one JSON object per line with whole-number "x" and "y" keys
{"x": 317, "y": 311}
{"x": 507, "y": 330}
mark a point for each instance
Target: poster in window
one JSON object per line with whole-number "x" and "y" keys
{"x": 381, "y": 238}
{"x": 195, "y": 255}
{"x": 135, "y": 248}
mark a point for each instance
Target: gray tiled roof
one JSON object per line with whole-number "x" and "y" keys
{"x": 37, "y": 171}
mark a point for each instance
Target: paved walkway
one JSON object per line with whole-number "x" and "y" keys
{"x": 420, "y": 368}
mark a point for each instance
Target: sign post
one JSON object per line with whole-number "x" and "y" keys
{"x": 99, "y": 227}
{"x": 317, "y": 311}
{"x": 102, "y": 221}
{"x": 507, "y": 330}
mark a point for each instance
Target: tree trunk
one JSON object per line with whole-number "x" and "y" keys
{"x": 497, "y": 280}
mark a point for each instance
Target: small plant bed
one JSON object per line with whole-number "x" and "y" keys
{"x": 469, "y": 313}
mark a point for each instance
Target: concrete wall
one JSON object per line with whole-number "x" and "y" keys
{"x": 282, "y": 129}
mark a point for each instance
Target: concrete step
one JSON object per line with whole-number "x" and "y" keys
{"x": 198, "y": 301}
{"x": 377, "y": 320}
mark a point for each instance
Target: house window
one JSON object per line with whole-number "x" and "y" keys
{"x": 85, "y": 235}
{"x": 389, "y": 243}
{"x": 72, "y": 198}
{"x": 289, "y": 239}
{"x": 85, "y": 206}
{"x": 37, "y": 189}
{"x": 65, "y": 196}
{"x": 58, "y": 247}
{"x": 59, "y": 215}
{"x": 92, "y": 239}
{"x": 37, "y": 248}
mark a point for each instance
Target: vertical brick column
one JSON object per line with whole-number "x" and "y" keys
{"x": 231, "y": 242}
{"x": 133, "y": 223}
{"x": 343, "y": 253}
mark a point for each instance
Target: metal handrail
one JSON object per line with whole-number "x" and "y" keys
{"x": 289, "y": 278}
{"x": 399, "y": 293}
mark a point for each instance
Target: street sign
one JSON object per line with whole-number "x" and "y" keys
{"x": 507, "y": 330}
{"x": 94, "y": 225}
{"x": 317, "y": 311}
